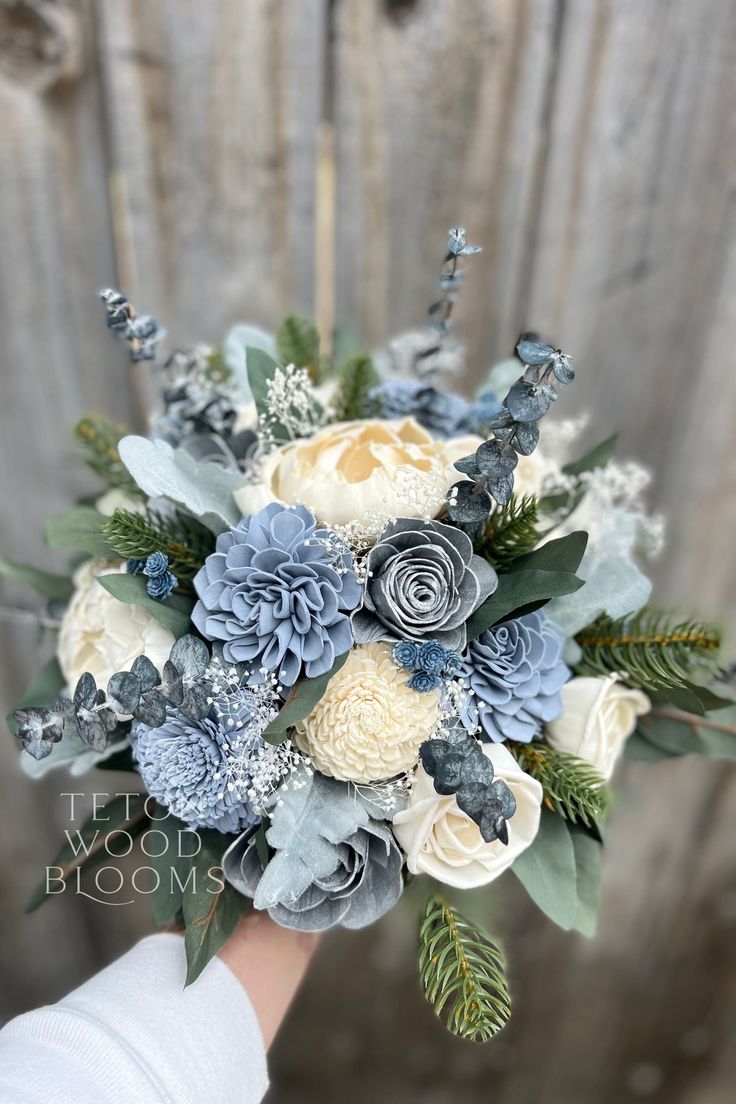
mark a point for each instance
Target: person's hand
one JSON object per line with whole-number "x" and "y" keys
{"x": 269, "y": 961}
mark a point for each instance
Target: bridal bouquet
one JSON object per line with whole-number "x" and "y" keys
{"x": 352, "y": 631}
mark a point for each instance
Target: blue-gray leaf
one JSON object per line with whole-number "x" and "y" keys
{"x": 494, "y": 458}
{"x": 527, "y": 402}
{"x": 534, "y": 352}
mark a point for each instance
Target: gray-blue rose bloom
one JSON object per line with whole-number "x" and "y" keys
{"x": 184, "y": 766}
{"x": 278, "y": 593}
{"x": 438, "y": 411}
{"x": 515, "y": 671}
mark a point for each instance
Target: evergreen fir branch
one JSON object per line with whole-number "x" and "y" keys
{"x": 355, "y": 380}
{"x": 99, "y": 437}
{"x": 463, "y": 973}
{"x": 573, "y": 788}
{"x": 647, "y": 650}
{"x": 297, "y": 341}
{"x": 136, "y": 536}
{"x": 511, "y": 531}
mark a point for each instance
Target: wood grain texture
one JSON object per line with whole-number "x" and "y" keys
{"x": 171, "y": 145}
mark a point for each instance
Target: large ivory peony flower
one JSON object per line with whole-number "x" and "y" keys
{"x": 369, "y": 724}
{"x": 598, "y": 716}
{"x": 364, "y": 471}
{"x": 441, "y": 840}
{"x": 101, "y": 634}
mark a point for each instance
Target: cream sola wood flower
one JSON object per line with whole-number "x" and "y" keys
{"x": 367, "y": 471}
{"x": 369, "y": 725}
{"x": 598, "y": 716}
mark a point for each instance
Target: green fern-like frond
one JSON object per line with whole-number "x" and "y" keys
{"x": 355, "y": 379}
{"x": 511, "y": 531}
{"x": 184, "y": 540}
{"x": 297, "y": 341}
{"x": 572, "y": 788}
{"x": 648, "y": 650}
{"x": 463, "y": 973}
{"x": 99, "y": 437}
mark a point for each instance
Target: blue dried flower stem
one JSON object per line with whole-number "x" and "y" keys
{"x": 450, "y": 279}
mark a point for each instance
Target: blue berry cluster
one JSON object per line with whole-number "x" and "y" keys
{"x": 431, "y": 663}
{"x": 161, "y": 581}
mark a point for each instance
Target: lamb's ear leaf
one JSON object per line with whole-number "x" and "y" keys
{"x": 174, "y": 614}
{"x": 300, "y": 703}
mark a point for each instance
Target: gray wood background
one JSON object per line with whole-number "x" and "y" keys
{"x": 230, "y": 161}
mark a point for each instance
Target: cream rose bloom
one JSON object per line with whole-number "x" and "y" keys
{"x": 598, "y": 716}
{"x": 365, "y": 471}
{"x": 369, "y": 724}
{"x": 101, "y": 634}
{"x": 439, "y": 839}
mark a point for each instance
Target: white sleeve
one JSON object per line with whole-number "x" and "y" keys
{"x": 132, "y": 1033}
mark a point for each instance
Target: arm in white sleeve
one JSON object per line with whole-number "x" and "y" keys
{"x": 132, "y": 1033}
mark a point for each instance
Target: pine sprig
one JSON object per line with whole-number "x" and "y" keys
{"x": 511, "y": 531}
{"x": 573, "y": 789}
{"x": 648, "y": 650}
{"x": 463, "y": 973}
{"x": 99, "y": 437}
{"x": 297, "y": 341}
{"x": 183, "y": 540}
{"x": 355, "y": 380}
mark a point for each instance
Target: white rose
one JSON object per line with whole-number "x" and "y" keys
{"x": 441, "y": 840}
{"x": 115, "y": 499}
{"x": 101, "y": 634}
{"x": 367, "y": 471}
{"x": 598, "y": 716}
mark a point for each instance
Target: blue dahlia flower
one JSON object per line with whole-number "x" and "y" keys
{"x": 515, "y": 671}
{"x": 277, "y": 592}
{"x": 199, "y": 769}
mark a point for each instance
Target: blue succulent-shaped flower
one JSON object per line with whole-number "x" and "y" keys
{"x": 277, "y": 592}
{"x": 515, "y": 671}
{"x": 199, "y": 769}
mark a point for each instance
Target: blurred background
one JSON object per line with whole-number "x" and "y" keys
{"x": 239, "y": 159}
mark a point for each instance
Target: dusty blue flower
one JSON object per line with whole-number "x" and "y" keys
{"x": 406, "y": 654}
{"x": 432, "y": 657}
{"x": 198, "y": 769}
{"x": 277, "y": 593}
{"x": 515, "y": 671}
{"x": 424, "y": 681}
{"x": 439, "y": 411}
{"x": 135, "y": 567}
{"x": 156, "y": 564}
{"x": 161, "y": 586}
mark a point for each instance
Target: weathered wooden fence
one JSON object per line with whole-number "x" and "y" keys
{"x": 235, "y": 159}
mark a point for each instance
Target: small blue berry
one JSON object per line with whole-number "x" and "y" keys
{"x": 423, "y": 682}
{"x": 406, "y": 655}
{"x": 156, "y": 564}
{"x": 135, "y": 567}
{"x": 432, "y": 657}
{"x": 161, "y": 586}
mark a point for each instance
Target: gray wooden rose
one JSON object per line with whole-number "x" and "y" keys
{"x": 424, "y": 581}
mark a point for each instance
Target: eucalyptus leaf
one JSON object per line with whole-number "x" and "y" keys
{"x": 534, "y": 353}
{"x": 81, "y": 529}
{"x": 614, "y": 585}
{"x": 548, "y": 871}
{"x": 495, "y": 459}
{"x": 300, "y": 703}
{"x": 527, "y": 402}
{"x": 42, "y": 690}
{"x": 526, "y": 438}
{"x": 470, "y": 503}
{"x": 210, "y": 905}
{"x": 204, "y": 489}
{"x": 56, "y": 587}
{"x": 588, "y": 863}
{"x": 174, "y": 614}
{"x": 597, "y": 457}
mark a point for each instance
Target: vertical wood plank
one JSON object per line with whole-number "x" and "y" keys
{"x": 211, "y": 112}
